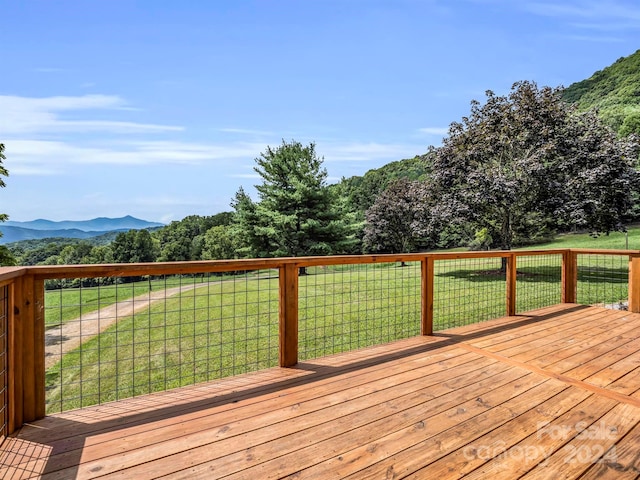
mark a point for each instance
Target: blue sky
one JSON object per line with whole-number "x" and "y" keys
{"x": 157, "y": 109}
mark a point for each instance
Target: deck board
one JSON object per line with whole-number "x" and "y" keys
{"x": 505, "y": 398}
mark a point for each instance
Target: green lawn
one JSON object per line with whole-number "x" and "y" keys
{"x": 615, "y": 240}
{"x": 230, "y": 326}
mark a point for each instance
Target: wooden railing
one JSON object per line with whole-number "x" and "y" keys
{"x": 22, "y": 364}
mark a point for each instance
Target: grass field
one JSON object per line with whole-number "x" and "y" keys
{"x": 615, "y": 240}
{"x": 226, "y": 326}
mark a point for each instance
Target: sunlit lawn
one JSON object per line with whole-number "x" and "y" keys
{"x": 230, "y": 326}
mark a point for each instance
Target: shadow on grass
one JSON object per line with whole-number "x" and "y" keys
{"x": 541, "y": 274}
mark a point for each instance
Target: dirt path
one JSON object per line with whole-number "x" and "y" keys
{"x": 61, "y": 339}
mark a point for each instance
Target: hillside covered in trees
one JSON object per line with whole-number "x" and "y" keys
{"x": 614, "y": 92}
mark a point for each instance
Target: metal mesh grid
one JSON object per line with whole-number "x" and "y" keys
{"x": 131, "y": 336}
{"x": 603, "y": 280}
{"x": 468, "y": 290}
{"x": 344, "y": 307}
{"x": 4, "y": 390}
{"x": 538, "y": 281}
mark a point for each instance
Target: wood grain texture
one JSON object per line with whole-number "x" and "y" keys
{"x": 481, "y": 401}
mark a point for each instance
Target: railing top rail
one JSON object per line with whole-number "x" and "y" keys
{"x": 210, "y": 266}
{"x": 8, "y": 274}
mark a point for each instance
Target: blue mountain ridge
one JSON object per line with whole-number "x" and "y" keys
{"x": 13, "y": 231}
{"x": 94, "y": 225}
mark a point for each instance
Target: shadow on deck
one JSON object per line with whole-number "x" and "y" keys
{"x": 554, "y": 393}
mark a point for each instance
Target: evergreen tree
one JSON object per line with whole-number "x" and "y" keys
{"x": 298, "y": 214}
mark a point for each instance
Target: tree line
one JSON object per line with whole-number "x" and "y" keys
{"x": 518, "y": 169}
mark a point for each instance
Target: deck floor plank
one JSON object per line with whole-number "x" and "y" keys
{"x": 520, "y": 458}
{"x": 468, "y": 402}
{"x": 306, "y": 409}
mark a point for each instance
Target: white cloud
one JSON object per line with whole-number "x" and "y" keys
{"x": 245, "y": 175}
{"x": 246, "y": 131}
{"x": 27, "y": 125}
{"x": 26, "y": 115}
{"x": 592, "y": 38}
{"x": 625, "y": 14}
{"x": 434, "y": 130}
{"x": 372, "y": 151}
{"x": 44, "y": 157}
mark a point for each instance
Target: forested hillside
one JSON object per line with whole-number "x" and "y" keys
{"x": 361, "y": 191}
{"x": 615, "y": 93}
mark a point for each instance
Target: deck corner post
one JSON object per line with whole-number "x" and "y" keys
{"x": 288, "y": 329}
{"x": 634, "y": 283}
{"x": 426, "y": 287}
{"x": 27, "y": 351}
{"x": 569, "y": 276}
{"x": 511, "y": 284}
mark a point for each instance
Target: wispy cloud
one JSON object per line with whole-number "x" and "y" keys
{"x": 434, "y": 130}
{"x": 612, "y": 12}
{"x": 27, "y": 115}
{"x": 43, "y": 157}
{"x": 48, "y": 136}
{"x": 372, "y": 151}
{"x": 245, "y": 175}
{"x": 592, "y": 38}
{"x": 246, "y": 131}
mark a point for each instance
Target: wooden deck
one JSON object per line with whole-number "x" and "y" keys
{"x": 551, "y": 394}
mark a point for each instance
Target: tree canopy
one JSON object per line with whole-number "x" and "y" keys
{"x": 399, "y": 219}
{"x": 526, "y": 162}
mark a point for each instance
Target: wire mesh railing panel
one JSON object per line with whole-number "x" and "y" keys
{"x": 115, "y": 338}
{"x": 4, "y": 380}
{"x": 468, "y": 290}
{"x": 603, "y": 280}
{"x": 538, "y": 281}
{"x": 345, "y": 307}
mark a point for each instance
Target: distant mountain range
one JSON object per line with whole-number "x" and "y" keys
{"x": 41, "y": 228}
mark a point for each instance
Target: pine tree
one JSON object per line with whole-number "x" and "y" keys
{"x": 298, "y": 214}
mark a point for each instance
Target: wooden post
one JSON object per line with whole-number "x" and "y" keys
{"x": 26, "y": 352}
{"x": 39, "y": 372}
{"x": 288, "y": 338}
{"x": 511, "y": 284}
{"x": 569, "y": 276}
{"x": 5, "y": 307}
{"x": 426, "y": 283}
{"x": 16, "y": 367}
{"x": 634, "y": 283}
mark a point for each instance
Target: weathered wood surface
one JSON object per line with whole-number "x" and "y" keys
{"x": 551, "y": 394}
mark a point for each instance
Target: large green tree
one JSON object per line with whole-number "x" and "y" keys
{"x": 218, "y": 244}
{"x": 183, "y": 240}
{"x": 398, "y": 221}
{"x": 527, "y": 162}
{"x": 134, "y": 246}
{"x": 297, "y": 213}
